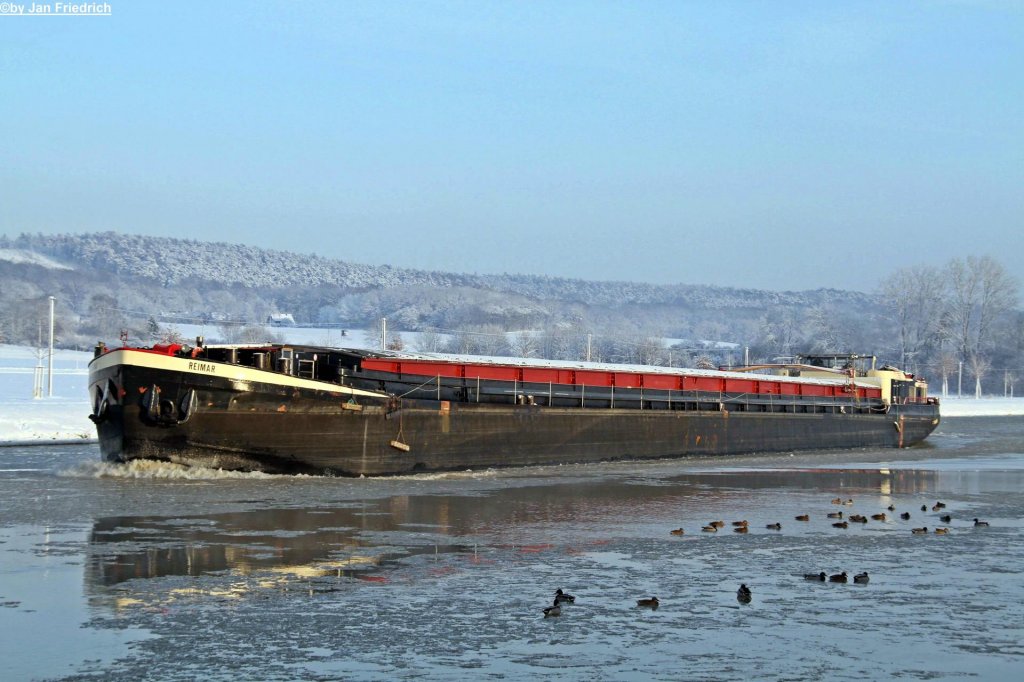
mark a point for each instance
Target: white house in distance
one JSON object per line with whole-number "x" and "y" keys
{"x": 281, "y": 320}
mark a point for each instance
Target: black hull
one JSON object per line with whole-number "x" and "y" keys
{"x": 264, "y": 426}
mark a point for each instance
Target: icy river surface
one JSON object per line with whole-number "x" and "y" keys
{"x": 154, "y": 572}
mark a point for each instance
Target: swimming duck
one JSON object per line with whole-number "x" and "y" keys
{"x": 774, "y": 526}
{"x": 804, "y": 517}
{"x": 651, "y": 603}
{"x": 743, "y": 594}
{"x": 924, "y": 507}
{"x": 837, "y": 500}
{"x": 740, "y": 523}
{"x": 820, "y": 577}
{"x": 710, "y": 529}
{"x": 553, "y": 610}
{"x": 919, "y": 531}
{"x": 980, "y": 524}
{"x": 858, "y": 518}
{"x": 940, "y": 505}
{"x": 838, "y": 578}
{"x": 848, "y": 502}
{"x": 946, "y": 518}
{"x": 677, "y": 531}
{"x": 905, "y": 516}
{"x": 740, "y": 529}
{"x": 891, "y": 507}
{"x": 942, "y": 531}
{"x": 841, "y": 524}
{"x": 879, "y": 517}
{"x": 717, "y": 524}
{"x": 835, "y": 515}
{"x": 564, "y": 597}
{"x": 861, "y": 578}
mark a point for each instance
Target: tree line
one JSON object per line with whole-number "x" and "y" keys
{"x": 962, "y": 315}
{"x": 937, "y": 321}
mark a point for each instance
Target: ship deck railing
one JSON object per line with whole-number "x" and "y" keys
{"x": 602, "y": 397}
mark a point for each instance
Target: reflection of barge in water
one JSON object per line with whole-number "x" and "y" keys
{"x": 372, "y": 539}
{"x": 287, "y": 408}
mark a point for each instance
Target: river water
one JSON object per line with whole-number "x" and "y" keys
{"x": 155, "y": 572}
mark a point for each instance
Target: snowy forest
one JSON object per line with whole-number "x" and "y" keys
{"x": 955, "y": 321}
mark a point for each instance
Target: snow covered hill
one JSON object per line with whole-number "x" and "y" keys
{"x": 176, "y": 261}
{"x": 23, "y": 256}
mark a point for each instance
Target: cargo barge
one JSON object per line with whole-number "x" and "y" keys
{"x": 284, "y": 408}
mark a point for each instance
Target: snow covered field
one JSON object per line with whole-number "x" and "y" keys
{"x": 986, "y": 406}
{"x": 61, "y": 418}
{"x": 65, "y": 416}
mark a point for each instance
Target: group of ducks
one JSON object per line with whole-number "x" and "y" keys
{"x": 565, "y": 598}
{"x": 743, "y": 594}
{"x": 840, "y": 522}
{"x": 738, "y": 527}
{"x": 860, "y": 578}
{"x": 860, "y": 518}
{"x": 556, "y": 608}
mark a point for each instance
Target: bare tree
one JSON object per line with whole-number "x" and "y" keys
{"x": 170, "y": 334}
{"x": 490, "y": 339}
{"x": 779, "y": 333}
{"x": 648, "y": 350}
{"x": 914, "y": 295}
{"x": 557, "y": 344}
{"x": 105, "y": 317}
{"x": 705, "y": 361}
{"x": 1008, "y": 379}
{"x": 826, "y": 327}
{"x": 980, "y": 366}
{"x": 429, "y": 341}
{"x": 461, "y": 343}
{"x": 981, "y": 292}
{"x": 525, "y": 345}
{"x": 947, "y": 365}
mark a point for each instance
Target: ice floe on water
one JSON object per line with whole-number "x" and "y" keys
{"x": 435, "y": 577}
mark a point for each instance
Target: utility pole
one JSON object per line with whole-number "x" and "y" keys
{"x": 383, "y": 333}
{"x": 960, "y": 380}
{"x": 49, "y": 378}
{"x": 37, "y": 376}
{"x": 589, "y": 339}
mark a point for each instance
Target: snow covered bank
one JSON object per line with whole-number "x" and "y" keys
{"x": 48, "y": 420}
{"x": 61, "y": 418}
{"x": 65, "y": 416}
{"x": 981, "y": 407}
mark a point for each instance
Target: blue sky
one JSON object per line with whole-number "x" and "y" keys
{"x": 779, "y": 145}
